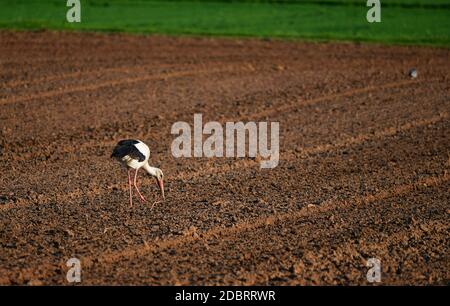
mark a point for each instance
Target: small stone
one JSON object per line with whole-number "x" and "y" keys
{"x": 35, "y": 282}
{"x": 297, "y": 268}
{"x": 70, "y": 233}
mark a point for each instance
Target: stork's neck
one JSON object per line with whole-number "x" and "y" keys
{"x": 151, "y": 170}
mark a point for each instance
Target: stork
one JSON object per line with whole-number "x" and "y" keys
{"x": 134, "y": 154}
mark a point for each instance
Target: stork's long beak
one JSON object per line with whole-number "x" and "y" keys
{"x": 160, "y": 183}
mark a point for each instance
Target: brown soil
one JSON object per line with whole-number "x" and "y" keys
{"x": 365, "y": 155}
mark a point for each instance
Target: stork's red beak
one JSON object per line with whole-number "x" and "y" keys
{"x": 160, "y": 183}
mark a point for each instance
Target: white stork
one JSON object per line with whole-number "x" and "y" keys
{"x": 134, "y": 154}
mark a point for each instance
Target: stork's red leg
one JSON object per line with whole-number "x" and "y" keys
{"x": 137, "y": 189}
{"x": 131, "y": 191}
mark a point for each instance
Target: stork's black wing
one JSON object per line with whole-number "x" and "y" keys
{"x": 126, "y": 147}
{"x": 127, "y": 142}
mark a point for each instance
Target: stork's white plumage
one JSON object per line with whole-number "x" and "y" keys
{"x": 134, "y": 154}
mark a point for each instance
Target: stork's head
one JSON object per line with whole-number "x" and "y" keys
{"x": 160, "y": 180}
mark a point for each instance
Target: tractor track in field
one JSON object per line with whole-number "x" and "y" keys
{"x": 247, "y": 225}
{"x": 335, "y": 96}
{"x": 290, "y": 154}
{"x": 364, "y": 161}
{"x": 124, "y": 81}
{"x": 93, "y": 144}
{"x": 78, "y": 74}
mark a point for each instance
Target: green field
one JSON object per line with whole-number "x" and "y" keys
{"x": 422, "y": 22}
